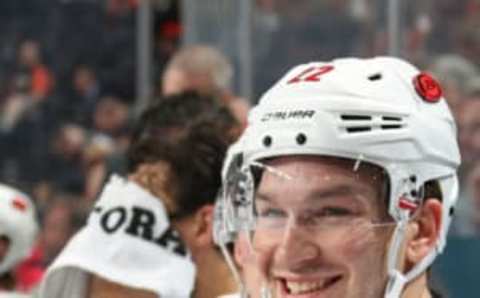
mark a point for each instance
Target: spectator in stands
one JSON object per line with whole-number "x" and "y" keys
{"x": 474, "y": 185}
{"x": 33, "y": 70}
{"x": 468, "y": 43}
{"x": 30, "y": 83}
{"x": 473, "y": 88}
{"x": 120, "y": 7}
{"x": 65, "y": 159}
{"x": 107, "y": 144}
{"x": 110, "y": 116}
{"x": 454, "y": 72}
{"x": 79, "y": 106}
{"x": 469, "y": 130}
{"x": 25, "y": 128}
{"x": 206, "y": 70}
{"x": 167, "y": 39}
{"x": 467, "y": 221}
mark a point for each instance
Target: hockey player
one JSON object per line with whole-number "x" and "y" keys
{"x": 345, "y": 182}
{"x": 149, "y": 235}
{"x": 18, "y": 229}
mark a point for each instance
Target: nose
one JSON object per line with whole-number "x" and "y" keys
{"x": 298, "y": 247}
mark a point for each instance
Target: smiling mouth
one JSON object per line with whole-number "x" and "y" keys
{"x": 308, "y": 288}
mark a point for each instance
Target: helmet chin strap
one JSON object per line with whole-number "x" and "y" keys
{"x": 265, "y": 291}
{"x": 397, "y": 280}
{"x": 234, "y": 270}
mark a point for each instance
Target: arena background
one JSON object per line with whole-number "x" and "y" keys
{"x": 74, "y": 73}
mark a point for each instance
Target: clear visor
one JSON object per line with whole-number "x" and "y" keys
{"x": 289, "y": 209}
{"x": 329, "y": 200}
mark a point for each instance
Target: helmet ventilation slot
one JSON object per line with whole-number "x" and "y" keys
{"x": 390, "y": 118}
{"x": 358, "y": 129}
{"x": 391, "y": 126}
{"x": 356, "y": 117}
{"x": 356, "y": 123}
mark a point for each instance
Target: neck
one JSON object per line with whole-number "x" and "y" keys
{"x": 212, "y": 267}
{"x": 102, "y": 288}
{"x": 418, "y": 288}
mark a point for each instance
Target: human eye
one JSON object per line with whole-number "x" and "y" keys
{"x": 336, "y": 211}
{"x": 271, "y": 217}
{"x": 328, "y": 214}
{"x": 271, "y": 213}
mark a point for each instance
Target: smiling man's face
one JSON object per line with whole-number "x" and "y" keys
{"x": 315, "y": 234}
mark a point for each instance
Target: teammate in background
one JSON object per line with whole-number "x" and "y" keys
{"x": 133, "y": 244}
{"x": 346, "y": 181}
{"x": 196, "y": 131}
{"x": 206, "y": 70}
{"x": 18, "y": 230}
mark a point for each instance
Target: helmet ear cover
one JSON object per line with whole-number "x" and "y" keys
{"x": 18, "y": 226}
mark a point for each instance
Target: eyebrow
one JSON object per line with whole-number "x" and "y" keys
{"x": 335, "y": 191}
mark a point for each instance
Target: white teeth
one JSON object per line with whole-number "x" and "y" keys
{"x": 304, "y": 287}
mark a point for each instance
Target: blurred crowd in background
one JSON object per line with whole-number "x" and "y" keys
{"x": 67, "y": 84}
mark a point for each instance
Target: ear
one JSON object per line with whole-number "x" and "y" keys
{"x": 203, "y": 230}
{"x": 424, "y": 231}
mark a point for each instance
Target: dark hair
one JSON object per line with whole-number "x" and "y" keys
{"x": 191, "y": 133}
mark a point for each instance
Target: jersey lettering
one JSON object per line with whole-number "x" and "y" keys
{"x": 113, "y": 219}
{"x": 140, "y": 224}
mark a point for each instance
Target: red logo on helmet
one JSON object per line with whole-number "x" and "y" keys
{"x": 19, "y": 204}
{"x": 427, "y": 87}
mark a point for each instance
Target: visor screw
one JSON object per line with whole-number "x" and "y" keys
{"x": 267, "y": 141}
{"x": 301, "y": 139}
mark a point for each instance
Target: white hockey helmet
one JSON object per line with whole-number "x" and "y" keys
{"x": 381, "y": 110}
{"x": 18, "y": 224}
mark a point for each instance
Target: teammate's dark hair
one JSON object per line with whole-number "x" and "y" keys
{"x": 191, "y": 133}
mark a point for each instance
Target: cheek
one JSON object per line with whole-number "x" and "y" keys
{"x": 364, "y": 246}
{"x": 241, "y": 249}
{"x": 365, "y": 257}
{"x": 252, "y": 277}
